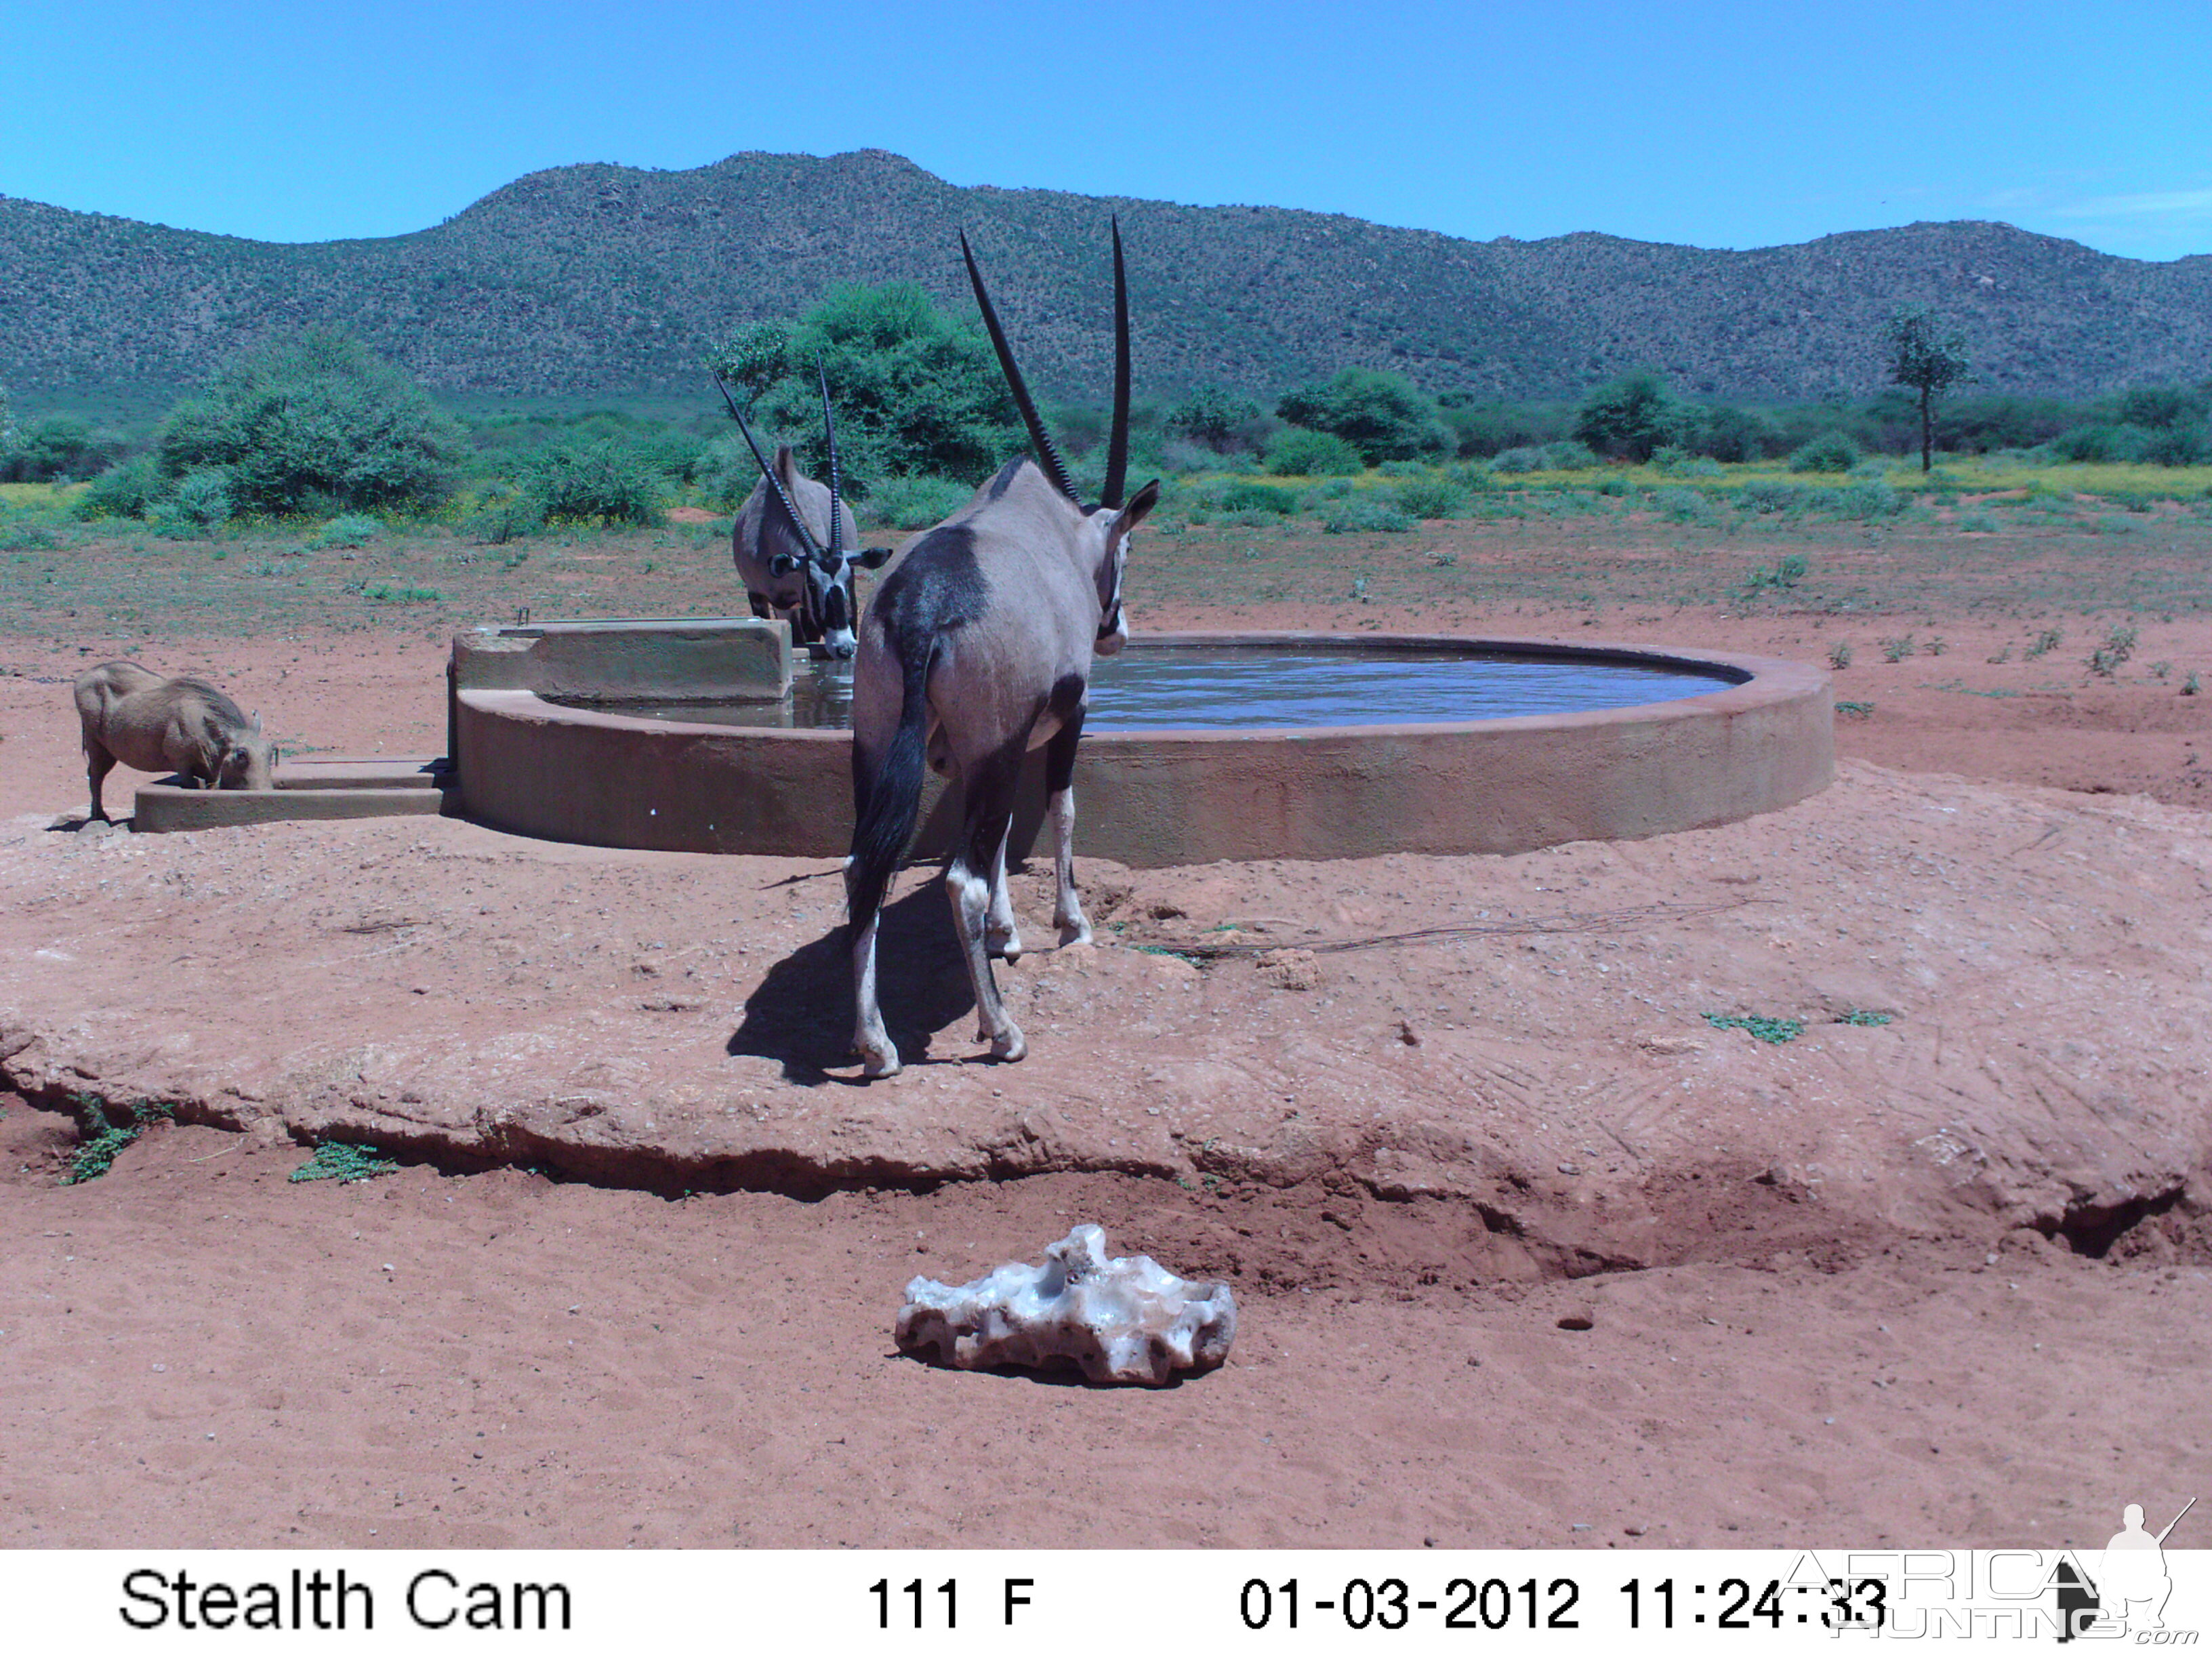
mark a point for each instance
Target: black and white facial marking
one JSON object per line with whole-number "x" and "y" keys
{"x": 1113, "y": 626}
{"x": 825, "y": 600}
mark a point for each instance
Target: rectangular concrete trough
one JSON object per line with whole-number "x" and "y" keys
{"x": 333, "y": 789}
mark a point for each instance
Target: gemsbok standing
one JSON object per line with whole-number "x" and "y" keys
{"x": 977, "y": 649}
{"x": 795, "y": 545}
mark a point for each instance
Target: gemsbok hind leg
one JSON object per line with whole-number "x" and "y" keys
{"x": 1001, "y": 937}
{"x": 867, "y": 876}
{"x": 967, "y": 883}
{"x": 1060, "y": 795}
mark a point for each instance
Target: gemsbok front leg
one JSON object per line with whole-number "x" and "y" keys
{"x": 1060, "y": 795}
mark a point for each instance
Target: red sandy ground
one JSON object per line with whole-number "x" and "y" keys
{"x": 194, "y": 1352}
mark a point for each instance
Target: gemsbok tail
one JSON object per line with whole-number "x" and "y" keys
{"x": 886, "y": 804}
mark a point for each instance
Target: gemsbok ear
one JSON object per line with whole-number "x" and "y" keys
{"x": 1134, "y": 514}
{"x": 873, "y": 558}
{"x": 782, "y": 564}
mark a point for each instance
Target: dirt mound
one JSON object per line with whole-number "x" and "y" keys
{"x": 1531, "y": 1042}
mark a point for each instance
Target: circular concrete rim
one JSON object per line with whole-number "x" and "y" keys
{"x": 1186, "y": 795}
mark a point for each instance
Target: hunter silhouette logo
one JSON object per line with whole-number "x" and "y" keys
{"x": 2130, "y": 1586}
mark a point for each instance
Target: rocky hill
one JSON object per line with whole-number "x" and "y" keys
{"x": 599, "y": 281}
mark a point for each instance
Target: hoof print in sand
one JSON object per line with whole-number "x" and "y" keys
{"x": 1121, "y": 1319}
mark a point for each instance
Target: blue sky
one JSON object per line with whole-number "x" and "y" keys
{"x": 1719, "y": 125}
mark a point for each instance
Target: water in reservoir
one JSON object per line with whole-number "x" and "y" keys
{"x": 1241, "y": 687}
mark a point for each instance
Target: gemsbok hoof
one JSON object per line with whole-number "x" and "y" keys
{"x": 1009, "y": 1046}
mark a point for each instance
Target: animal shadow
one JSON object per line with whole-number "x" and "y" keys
{"x": 1061, "y": 1373}
{"x": 801, "y": 1012}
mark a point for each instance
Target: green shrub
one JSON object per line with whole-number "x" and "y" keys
{"x": 1727, "y": 434}
{"x": 1430, "y": 497}
{"x": 1787, "y": 573}
{"x": 2179, "y": 446}
{"x": 913, "y": 503}
{"x": 1523, "y": 457}
{"x": 336, "y": 1161}
{"x": 125, "y": 491}
{"x": 58, "y": 449}
{"x": 725, "y": 471}
{"x": 1223, "y": 422}
{"x": 352, "y": 530}
{"x": 1831, "y": 452}
{"x": 594, "y": 482}
{"x": 1247, "y": 495}
{"x": 1872, "y": 500}
{"x": 1771, "y": 495}
{"x": 916, "y": 393}
{"x": 1364, "y": 513}
{"x": 2119, "y": 645}
{"x": 504, "y": 514}
{"x": 1633, "y": 417}
{"x": 1680, "y": 505}
{"x": 2101, "y": 442}
{"x": 1297, "y": 452}
{"x": 1383, "y": 415}
{"x": 200, "y": 502}
{"x": 316, "y": 424}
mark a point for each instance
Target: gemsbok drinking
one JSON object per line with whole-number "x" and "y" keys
{"x": 795, "y": 544}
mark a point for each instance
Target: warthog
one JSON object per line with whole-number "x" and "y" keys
{"x": 185, "y": 726}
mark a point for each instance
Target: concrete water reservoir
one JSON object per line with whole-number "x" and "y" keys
{"x": 689, "y": 736}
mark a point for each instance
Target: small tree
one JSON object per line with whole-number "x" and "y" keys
{"x": 1385, "y": 416}
{"x": 753, "y": 359}
{"x": 316, "y": 423}
{"x": 1927, "y": 360}
{"x": 915, "y": 392}
{"x": 1630, "y": 416}
{"x": 1220, "y": 420}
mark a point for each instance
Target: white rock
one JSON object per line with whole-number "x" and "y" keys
{"x": 1122, "y": 1319}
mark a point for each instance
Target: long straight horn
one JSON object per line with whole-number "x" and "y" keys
{"x": 768, "y": 472}
{"x": 1039, "y": 440}
{"x": 1117, "y": 445}
{"x": 829, "y": 438}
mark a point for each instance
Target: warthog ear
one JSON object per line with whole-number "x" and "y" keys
{"x": 871, "y": 558}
